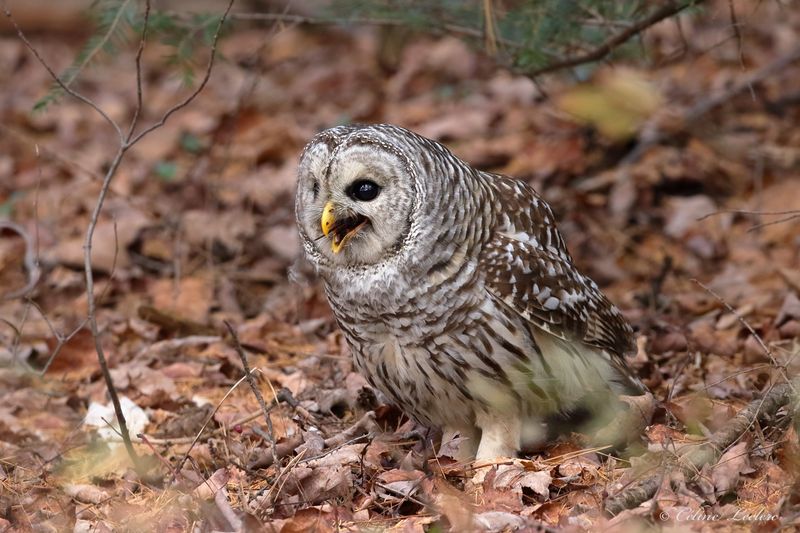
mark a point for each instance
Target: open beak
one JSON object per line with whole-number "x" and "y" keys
{"x": 340, "y": 231}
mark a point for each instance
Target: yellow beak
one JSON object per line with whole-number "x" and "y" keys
{"x": 348, "y": 226}
{"x": 328, "y": 221}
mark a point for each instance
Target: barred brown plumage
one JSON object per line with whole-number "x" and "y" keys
{"x": 455, "y": 291}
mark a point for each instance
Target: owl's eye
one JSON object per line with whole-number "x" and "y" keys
{"x": 363, "y": 190}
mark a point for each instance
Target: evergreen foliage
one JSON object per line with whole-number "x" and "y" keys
{"x": 530, "y": 36}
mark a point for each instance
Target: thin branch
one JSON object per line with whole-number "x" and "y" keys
{"x": 55, "y": 77}
{"x": 745, "y": 212}
{"x": 91, "y": 303}
{"x": 667, "y": 10}
{"x": 254, "y": 387}
{"x": 691, "y": 462}
{"x": 210, "y": 416}
{"x": 138, "y": 62}
{"x": 131, "y": 141}
{"x": 788, "y": 216}
{"x": 776, "y": 66}
{"x": 781, "y": 368}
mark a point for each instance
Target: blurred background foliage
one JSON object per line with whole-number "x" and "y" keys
{"x": 531, "y": 37}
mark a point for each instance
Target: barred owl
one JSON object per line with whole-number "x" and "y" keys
{"x": 454, "y": 289}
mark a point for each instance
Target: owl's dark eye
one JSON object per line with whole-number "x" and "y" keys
{"x": 363, "y": 190}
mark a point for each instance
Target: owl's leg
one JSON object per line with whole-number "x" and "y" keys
{"x": 500, "y": 436}
{"x": 460, "y": 443}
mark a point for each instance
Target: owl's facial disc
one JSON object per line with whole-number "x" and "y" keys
{"x": 341, "y": 230}
{"x": 354, "y": 202}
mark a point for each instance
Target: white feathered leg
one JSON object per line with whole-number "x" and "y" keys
{"x": 500, "y": 436}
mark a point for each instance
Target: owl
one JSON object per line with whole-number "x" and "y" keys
{"x": 455, "y": 291}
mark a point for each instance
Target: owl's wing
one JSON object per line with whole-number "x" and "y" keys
{"x": 527, "y": 268}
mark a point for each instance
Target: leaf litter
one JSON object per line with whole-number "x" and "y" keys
{"x": 212, "y": 240}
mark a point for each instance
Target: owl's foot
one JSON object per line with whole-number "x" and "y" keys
{"x": 500, "y": 436}
{"x": 460, "y": 443}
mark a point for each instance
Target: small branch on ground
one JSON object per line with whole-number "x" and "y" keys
{"x": 254, "y": 387}
{"x": 780, "y": 367}
{"x": 365, "y": 424}
{"x": 691, "y": 462}
{"x": 210, "y": 417}
{"x": 787, "y": 216}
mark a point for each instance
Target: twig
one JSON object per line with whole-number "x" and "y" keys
{"x": 781, "y": 368}
{"x": 138, "y": 62}
{"x": 55, "y": 76}
{"x": 177, "y": 107}
{"x": 31, "y": 263}
{"x": 125, "y": 143}
{"x": 653, "y": 135}
{"x": 254, "y": 387}
{"x": 667, "y": 10}
{"x": 693, "y": 461}
{"x": 144, "y": 440}
{"x": 776, "y": 66}
{"x": 787, "y": 216}
{"x": 203, "y": 427}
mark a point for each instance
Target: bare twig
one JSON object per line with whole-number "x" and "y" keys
{"x": 691, "y": 462}
{"x": 210, "y": 416}
{"x": 126, "y": 141}
{"x": 667, "y": 10}
{"x": 57, "y": 79}
{"x": 186, "y": 101}
{"x": 653, "y": 135}
{"x": 778, "y": 65}
{"x": 787, "y": 216}
{"x": 30, "y": 262}
{"x": 781, "y": 367}
{"x": 363, "y": 426}
{"x": 254, "y": 387}
{"x": 91, "y": 303}
{"x": 139, "y": 52}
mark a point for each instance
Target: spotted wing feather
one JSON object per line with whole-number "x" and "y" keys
{"x": 529, "y": 269}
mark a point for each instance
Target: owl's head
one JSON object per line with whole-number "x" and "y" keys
{"x": 357, "y": 192}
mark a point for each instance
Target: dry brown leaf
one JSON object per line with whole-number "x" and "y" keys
{"x": 733, "y": 463}
{"x": 209, "y": 488}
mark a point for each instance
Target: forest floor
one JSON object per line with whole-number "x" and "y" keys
{"x": 644, "y": 167}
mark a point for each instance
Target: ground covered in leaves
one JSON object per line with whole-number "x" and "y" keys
{"x": 198, "y": 229}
